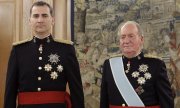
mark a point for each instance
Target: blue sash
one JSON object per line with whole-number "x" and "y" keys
{"x": 125, "y": 88}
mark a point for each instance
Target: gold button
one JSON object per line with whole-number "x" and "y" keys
{"x": 123, "y": 105}
{"x": 40, "y": 58}
{"x": 39, "y": 78}
{"x": 39, "y": 67}
{"x": 39, "y": 89}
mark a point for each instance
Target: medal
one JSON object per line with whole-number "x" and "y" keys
{"x": 47, "y": 67}
{"x": 128, "y": 67}
{"x": 143, "y": 68}
{"x": 139, "y": 90}
{"x": 40, "y": 49}
{"x": 135, "y": 74}
{"x": 59, "y": 68}
{"x": 53, "y": 58}
{"x": 141, "y": 80}
{"x": 142, "y": 75}
{"x": 54, "y": 75}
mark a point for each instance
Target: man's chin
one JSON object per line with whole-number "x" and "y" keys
{"x": 40, "y": 31}
{"x": 129, "y": 54}
{"x": 127, "y": 51}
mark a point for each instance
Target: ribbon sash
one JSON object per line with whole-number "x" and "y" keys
{"x": 125, "y": 88}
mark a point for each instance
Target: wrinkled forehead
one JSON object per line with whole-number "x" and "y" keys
{"x": 129, "y": 28}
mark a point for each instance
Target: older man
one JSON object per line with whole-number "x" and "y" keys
{"x": 134, "y": 80}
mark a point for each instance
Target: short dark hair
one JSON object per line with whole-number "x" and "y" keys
{"x": 42, "y": 3}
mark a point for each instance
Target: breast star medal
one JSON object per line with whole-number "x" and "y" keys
{"x": 59, "y": 68}
{"x": 53, "y": 59}
{"x": 47, "y": 67}
{"x": 145, "y": 74}
{"x": 54, "y": 75}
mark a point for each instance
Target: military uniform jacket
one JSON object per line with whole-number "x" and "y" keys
{"x": 43, "y": 65}
{"x": 148, "y": 77}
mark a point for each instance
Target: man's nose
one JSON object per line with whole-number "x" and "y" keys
{"x": 40, "y": 19}
{"x": 126, "y": 40}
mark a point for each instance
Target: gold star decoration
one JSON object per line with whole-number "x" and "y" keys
{"x": 135, "y": 74}
{"x": 48, "y": 67}
{"x": 141, "y": 80}
{"x": 54, "y": 75}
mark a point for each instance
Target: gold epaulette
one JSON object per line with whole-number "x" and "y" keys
{"x": 116, "y": 55}
{"x": 63, "y": 41}
{"x": 21, "y": 42}
{"x": 152, "y": 56}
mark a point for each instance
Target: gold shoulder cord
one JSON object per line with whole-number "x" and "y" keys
{"x": 64, "y": 41}
{"x": 21, "y": 42}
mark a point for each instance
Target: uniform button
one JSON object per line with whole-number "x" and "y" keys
{"x": 123, "y": 105}
{"x": 39, "y": 89}
{"x": 40, "y": 58}
{"x": 39, "y": 78}
{"x": 39, "y": 67}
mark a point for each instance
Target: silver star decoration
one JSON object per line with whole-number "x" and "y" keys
{"x": 143, "y": 68}
{"x": 147, "y": 75}
{"x": 135, "y": 74}
{"x": 47, "y": 67}
{"x": 59, "y": 68}
{"x": 54, "y": 75}
{"x": 141, "y": 80}
{"x": 53, "y": 58}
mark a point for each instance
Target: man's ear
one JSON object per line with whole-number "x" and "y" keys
{"x": 142, "y": 38}
{"x": 29, "y": 21}
{"x": 53, "y": 21}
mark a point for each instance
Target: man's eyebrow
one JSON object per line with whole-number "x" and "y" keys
{"x": 44, "y": 14}
{"x": 40, "y": 14}
{"x": 35, "y": 14}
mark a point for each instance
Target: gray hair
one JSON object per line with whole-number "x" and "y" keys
{"x": 140, "y": 30}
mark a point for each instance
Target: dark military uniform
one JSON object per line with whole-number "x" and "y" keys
{"x": 43, "y": 66}
{"x": 152, "y": 88}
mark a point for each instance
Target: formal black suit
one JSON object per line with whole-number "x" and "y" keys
{"x": 155, "y": 91}
{"x": 28, "y": 72}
